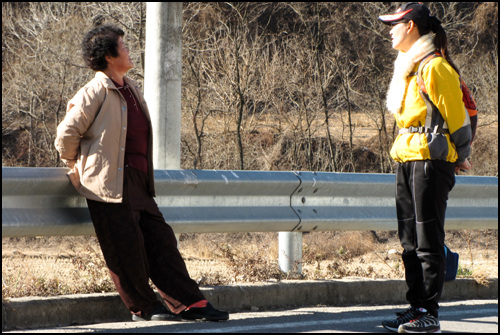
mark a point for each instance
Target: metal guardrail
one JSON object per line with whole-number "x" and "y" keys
{"x": 42, "y": 202}
{"x": 362, "y": 201}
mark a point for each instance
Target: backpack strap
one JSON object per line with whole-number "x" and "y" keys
{"x": 423, "y": 63}
{"x": 433, "y": 120}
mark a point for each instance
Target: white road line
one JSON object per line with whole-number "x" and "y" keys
{"x": 288, "y": 325}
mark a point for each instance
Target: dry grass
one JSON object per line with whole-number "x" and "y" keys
{"x": 45, "y": 266}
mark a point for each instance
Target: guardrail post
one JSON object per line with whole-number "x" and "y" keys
{"x": 290, "y": 252}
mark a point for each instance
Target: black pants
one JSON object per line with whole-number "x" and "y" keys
{"x": 137, "y": 245}
{"x": 422, "y": 189}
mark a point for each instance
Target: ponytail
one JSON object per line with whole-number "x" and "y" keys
{"x": 440, "y": 39}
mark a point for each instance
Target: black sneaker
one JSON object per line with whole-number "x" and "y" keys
{"x": 401, "y": 317}
{"x": 424, "y": 322}
{"x": 159, "y": 314}
{"x": 207, "y": 313}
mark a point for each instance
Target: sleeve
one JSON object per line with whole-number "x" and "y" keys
{"x": 80, "y": 114}
{"x": 443, "y": 85}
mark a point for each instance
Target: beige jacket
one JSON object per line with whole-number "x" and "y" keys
{"x": 91, "y": 139}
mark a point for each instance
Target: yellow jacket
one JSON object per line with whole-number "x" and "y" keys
{"x": 443, "y": 86}
{"x": 91, "y": 139}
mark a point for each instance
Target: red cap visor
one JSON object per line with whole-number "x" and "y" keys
{"x": 395, "y": 16}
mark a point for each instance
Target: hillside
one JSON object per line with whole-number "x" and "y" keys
{"x": 309, "y": 94}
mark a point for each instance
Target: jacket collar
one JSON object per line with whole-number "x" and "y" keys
{"x": 404, "y": 64}
{"x": 107, "y": 82}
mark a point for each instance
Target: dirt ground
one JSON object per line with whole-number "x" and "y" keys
{"x": 44, "y": 266}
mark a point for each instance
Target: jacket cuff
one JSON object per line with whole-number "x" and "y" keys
{"x": 69, "y": 162}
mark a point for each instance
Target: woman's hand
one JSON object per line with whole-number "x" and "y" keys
{"x": 465, "y": 166}
{"x": 73, "y": 174}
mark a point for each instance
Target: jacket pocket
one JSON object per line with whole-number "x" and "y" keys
{"x": 438, "y": 146}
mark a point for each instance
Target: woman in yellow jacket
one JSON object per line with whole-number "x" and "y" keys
{"x": 430, "y": 148}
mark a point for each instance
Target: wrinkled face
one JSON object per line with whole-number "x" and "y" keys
{"x": 399, "y": 35}
{"x": 123, "y": 63}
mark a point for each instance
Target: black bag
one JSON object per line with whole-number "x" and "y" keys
{"x": 451, "y": 264}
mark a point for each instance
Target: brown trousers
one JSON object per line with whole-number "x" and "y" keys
{"x": 138, "y": 244}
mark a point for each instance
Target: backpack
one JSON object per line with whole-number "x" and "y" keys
{"x": 469, "y": 102}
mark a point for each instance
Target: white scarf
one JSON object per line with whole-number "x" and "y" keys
{"x": 404, "y": 64}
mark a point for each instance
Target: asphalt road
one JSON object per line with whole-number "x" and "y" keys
{"x": 474, "y": 316}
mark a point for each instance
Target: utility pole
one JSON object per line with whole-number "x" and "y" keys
{"x": 162, "y": 81}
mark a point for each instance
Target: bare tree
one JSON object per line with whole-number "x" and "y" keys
{"x": 42, "y": 68}
{"x": 265, "y": 85}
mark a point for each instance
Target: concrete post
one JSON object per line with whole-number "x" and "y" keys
{"x": 290, "y": 252}
{"x": 162, "y": 83}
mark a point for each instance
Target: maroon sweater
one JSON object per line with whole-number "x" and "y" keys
{"x": 136, "y": 147}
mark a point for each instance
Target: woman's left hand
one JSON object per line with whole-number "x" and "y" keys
{"x": 466, "y": 165}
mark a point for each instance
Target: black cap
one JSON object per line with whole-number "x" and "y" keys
{"x": 415, "y": 11}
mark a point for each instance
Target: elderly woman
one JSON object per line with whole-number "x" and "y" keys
{"x": 433, "y": 144}
{"x": 106, "y": 141}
